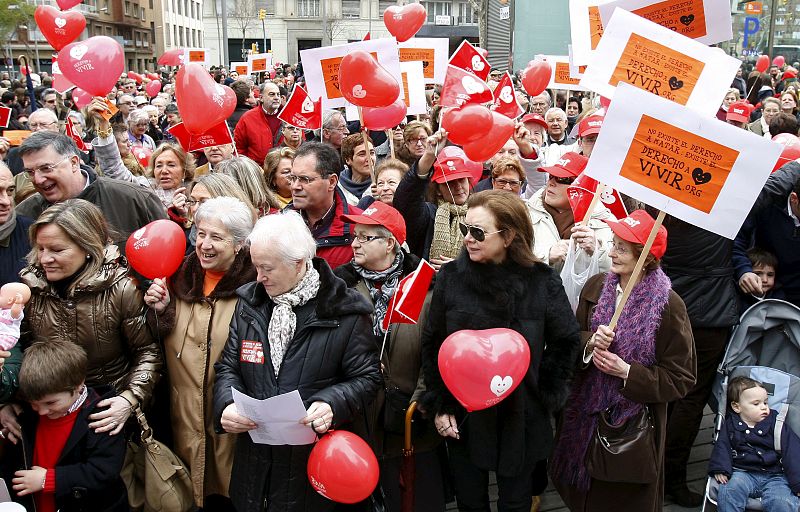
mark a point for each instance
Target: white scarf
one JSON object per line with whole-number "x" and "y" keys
{"x": 283, "y": 323}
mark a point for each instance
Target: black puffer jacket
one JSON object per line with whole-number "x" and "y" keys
{"x": 332, "y": 358}
{"x": 516, "y": 433}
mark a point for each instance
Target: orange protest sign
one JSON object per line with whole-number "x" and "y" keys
{"x": 197, "y": 56}
{"x": 259, "y": 65}
{"x": 679, "y": 164}
{"x": 112, "y": 109}
{"x": 425, "y": 55}
{"x": 562, "y": 74}
{"x": 753, "y": 8}
{"x": 657, "y": 69}
{"x": 15, "y": 137}
{"x": 406, "y": 97}
{"x": 687, "y": 17}
{"x": 241, "y": 69}
{"x": 595, "y": 26}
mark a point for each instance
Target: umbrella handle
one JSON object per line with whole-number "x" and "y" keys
{"x": 409, "y": 415}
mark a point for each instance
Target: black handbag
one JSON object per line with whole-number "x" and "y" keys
{"x": 624, "y": 453}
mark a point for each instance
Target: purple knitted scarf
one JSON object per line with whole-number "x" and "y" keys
{"x": 595, "y": 391}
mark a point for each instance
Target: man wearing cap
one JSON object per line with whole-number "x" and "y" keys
{"x": 588, "y": 130}
{"x": 554, "y": 223}
{"x": 315, "y": 194}
{"x": 379, "y": 264}
{"x": 739, "y": 114}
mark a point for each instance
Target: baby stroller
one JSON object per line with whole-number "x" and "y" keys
{"x": 764, "y": 346}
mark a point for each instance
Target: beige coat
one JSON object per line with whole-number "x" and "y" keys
{"x": 195, "y": 330}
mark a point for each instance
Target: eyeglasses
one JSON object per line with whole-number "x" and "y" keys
{"x": 304, "y": 180}
{"x": 37, "y": 126}
{"x": 562, "y": 181}
{"x": 538, "y": 104}
{"x": 619, "y": 248}
{"x": 46, "y": 169}
{"x": 503, "y": 182}
{"x": 477, "y": 233}
{"x": 192, "y": 202}
{"x": 365, "y": 239}
{"x": 418, "y": 141}
{"x": 143, "y": 124}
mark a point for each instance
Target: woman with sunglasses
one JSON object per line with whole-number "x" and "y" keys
{"x": 433, "y": 224}
{"x": 497, "y": 282}
{"x": 554, "y": 223}
{"x": 384, "y": 151}
{"x": 647, "y": 360}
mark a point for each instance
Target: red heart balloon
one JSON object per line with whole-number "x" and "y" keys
{"x": 791, "y": 149}
{"x": 483, "y": 149}
{"x": 365, "y": 83}
{"x": 153, "y": 76}
{"x": 202, "y": 102}
{"x": 157, "y": 249}
{"x": 153, "y": 88}
{"x": 142, "y": 154}
{"x": 779, "y": 61}
{"x": 342, "y": 467}
{"x": 481, "y": 368}
{"x": 93, "y": 65}
{"x": 379, "y": 119}
{"x": 762, "y": 63}
{"x": 403, "y": 22}
{"x": 464, "y": 125}
{"x": 450, "y": 152}
{"x": 59, "y": 28}
{"x": 67, "y": 4}
{"x": 81, "y": 97}
{"x": 136, "y": 76}
{"x": 536, "y": 76}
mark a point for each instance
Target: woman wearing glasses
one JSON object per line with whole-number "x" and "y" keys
{"x": 497, "y": 282}
{"x": 508, "y": 174}
{"x": 647, "y": 360}
{"x": 379, "y": 263}
{"x": 554, "y": 223}
{"x": 138, "y": 124}
{"x": 388, "y": 175}
{"x": 192, "y": 315}
{"x": 415, "y": 136}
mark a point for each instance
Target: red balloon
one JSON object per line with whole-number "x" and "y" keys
{"x": 202, "y": 102}
{"x": 365, "y": 83}
{"x": 483, "y": 149}
{"x": 93, "y": 65}
{"x": 403, "y": 22}
{"x": 172, "y": 57}
{"x": 153, "y": 88}
{"x": 791, "y": 149}
{"x": 466, "y": 124}
{"x": 142, "y": 154}
{"x": 81, "y": 97}
{"x": 67, "y": 4}
{"x": 342, "y": 467}
{"x": 136, "y": 76}
{"x": 59, "y": 28}
{"x": 605, "y": 102}
{"x": 481, "y": 368}
{"x": 536, "y": 77}
{"x": 157, "y": 249}
{"x": 153, "y": 76}
{"x": 762, "y": 63}
{"x": 380, "y": 119}
{"x": 779, "y": 61}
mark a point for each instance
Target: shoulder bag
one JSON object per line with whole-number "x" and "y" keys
{"x": 624, "y": 453}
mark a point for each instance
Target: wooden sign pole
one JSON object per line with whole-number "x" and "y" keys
{"x": 366, "y": 144}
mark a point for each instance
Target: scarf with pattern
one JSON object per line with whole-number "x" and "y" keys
{"x": 380, "y": 295}
{"x": 447, "y": 238}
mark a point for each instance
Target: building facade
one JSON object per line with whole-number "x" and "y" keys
{"x": 178, "y": 24}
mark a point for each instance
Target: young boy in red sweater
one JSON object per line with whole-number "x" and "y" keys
{"x": 67, "y": 466}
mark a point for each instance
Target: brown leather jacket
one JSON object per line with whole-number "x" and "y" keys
{"x": 105, "y": 316}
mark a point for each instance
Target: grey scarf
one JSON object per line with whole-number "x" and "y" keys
{"x": 380, "y": 296}
{"x": 8, "y": 226}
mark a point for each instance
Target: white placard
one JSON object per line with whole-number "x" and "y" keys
{"x": 575, "y": 70}
{"x": 278, "y": 418}
{"x": 561, "y": 74}
{"x": 314, "y": 59}
{"x": 412, "y": 73}
{"x": 259, "y": 63}
{"x": 582, "y": 15}
{"x": 697, "y": 168}
{"x": 235, "y": 66}
{"x": 439, "y": 46}
{"x": 705, "y": 21}
{"x": 197, "y": 55}
{"x": 656, "y": 59}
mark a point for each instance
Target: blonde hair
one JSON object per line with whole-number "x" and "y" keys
{"x": 186, "y": 159}
{"x": 271, "y": 163}
{"x": 250, "y": 178}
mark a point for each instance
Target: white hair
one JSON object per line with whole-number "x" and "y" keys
{"x": 136, "y": 116}
{"x": 555, "y": 110}
{"x": 236, "y": 216}
{"x": 287, "y": 234}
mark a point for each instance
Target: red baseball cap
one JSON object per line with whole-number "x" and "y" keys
{"x": 739, "y": 111}
{"x": 790, "y": 73}
{"x": 636, "y": 227}
{"x": 449, "y": 169}
{"x": 534, "y": 118}
{"x": 590, "y": 125}
{"x": 381, "y": 214}
{"x": 570, "y": 166}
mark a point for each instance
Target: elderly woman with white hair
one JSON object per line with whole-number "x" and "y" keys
{"x": 298, "y": 327}
{"x": 192, "y": 314}
{"x": 138, "y": 124}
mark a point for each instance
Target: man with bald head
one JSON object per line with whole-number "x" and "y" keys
{"x": 259, "y": 129}
{"x": 14, "y": 244}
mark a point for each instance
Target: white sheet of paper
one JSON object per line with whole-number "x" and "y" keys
{"x": 440, "y": 54}
{"x": 278, "y": 418}
{"x": 580, "y": 29}
{"x": 416, "y": 87}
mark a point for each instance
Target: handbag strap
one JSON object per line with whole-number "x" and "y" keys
{"x": 147, "y": 432}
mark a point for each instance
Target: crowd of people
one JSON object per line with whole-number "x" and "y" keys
{"x": 297, "y": 241}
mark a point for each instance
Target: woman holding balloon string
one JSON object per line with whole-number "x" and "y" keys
{"x": 648, "y": 359}
{"x": 497, "y": 282}
{"x": 194, "y": 311}
{"x": 81, "y": 292}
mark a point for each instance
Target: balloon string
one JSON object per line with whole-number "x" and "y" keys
{"x": 463, "y": 420}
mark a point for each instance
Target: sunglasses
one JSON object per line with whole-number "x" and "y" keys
{"x": 477, "y": 233}
{"x": 562, "y": 181}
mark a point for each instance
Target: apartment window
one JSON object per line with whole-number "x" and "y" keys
{"x": 466, "y": 15}
{"x": 180, "y": 6}
{"x": 127, "y": 8}
{"x": 308, "y": 8}
{"x": 383, "y": 5}
{"x": 142, "y": 13}
{"x": 151, "y": 4}
{"x": 437, "y": 9}
{"x": 351, "y": 9}
{"x": 270, "y": 6}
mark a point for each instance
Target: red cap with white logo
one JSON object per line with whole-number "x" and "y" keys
{"x": 590, "y": 125}
{"x": 381, "y": 214}
{"x": 739, "y": 111}
{"x": 636, "y": 227}
{"x": 570, "y": 166}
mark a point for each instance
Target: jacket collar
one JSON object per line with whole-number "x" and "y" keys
{"x": 347, "y": 273}
{"x": 334, "y": 298}
{"x": 188, "y": 281}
